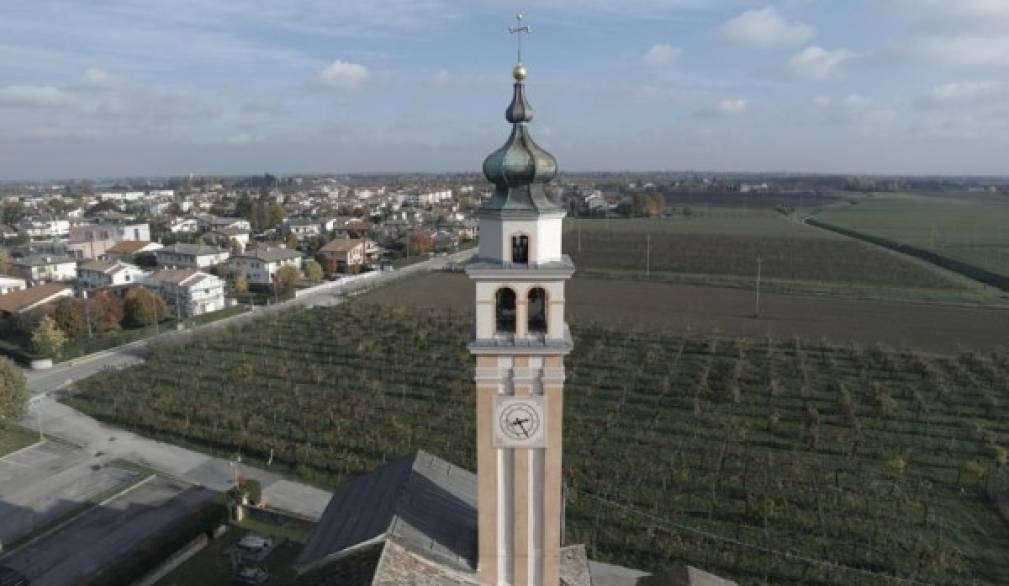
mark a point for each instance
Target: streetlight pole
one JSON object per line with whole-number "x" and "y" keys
{"x": 756, "y": 308}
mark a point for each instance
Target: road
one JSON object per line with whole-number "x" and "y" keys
{"x": 103, "y": 441}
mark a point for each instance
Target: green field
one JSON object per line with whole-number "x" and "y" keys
{"x": 973, "y": 228}
{"x": 721, "y": 247}
{"x": 863, "y": 457}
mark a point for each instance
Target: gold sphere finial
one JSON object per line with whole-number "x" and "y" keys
{"x": 520, "y": 73}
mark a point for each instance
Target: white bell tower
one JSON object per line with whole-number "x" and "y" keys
{"x": 519, "y": 342}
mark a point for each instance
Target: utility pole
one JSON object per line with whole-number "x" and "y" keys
{"x": 756, "y": 305}
{"x": 648, "y": 255}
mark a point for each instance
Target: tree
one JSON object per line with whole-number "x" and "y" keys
{"x": 285, "y": 279}
{"x": 419, "y": 242}
{"x": 292, "y": 241}
{"x": 13, "y": 392}
{"x": 313, "y": 271}
{"x": 4, "y": 261}
{"x": 241, "y": 283}
{"x": 144, "y": 308}
{"x": 69, "y": 317}
{"x": 236, "y": 247}
{"x": 105, "y": 311}
{"x": 648, "y": 205}
{"x": 48, "y": 338}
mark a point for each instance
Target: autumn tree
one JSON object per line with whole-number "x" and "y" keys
{"x": 105, "y": 310}
{"x": 13, "y": 392}
{"x": 69, "y": 317}
{"x": 313, "y": 271}
{"x": 241, "y": 283}
{"x": 48, "y": 338}
{"x": 292, "y": 241}
{"x": 648, "y": 205}
{"x": 4, "y": 261}
{"x": 143, "y": 307}
{"x": 419, "y": 242}
{"x": 286, "y": 279}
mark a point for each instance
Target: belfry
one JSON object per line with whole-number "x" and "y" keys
{"x": 519, "y": 342}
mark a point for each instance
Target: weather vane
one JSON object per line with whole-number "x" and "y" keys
{"x": 518, "y": 29}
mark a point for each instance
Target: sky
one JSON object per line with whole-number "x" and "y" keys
{"x": 115, "y": 88}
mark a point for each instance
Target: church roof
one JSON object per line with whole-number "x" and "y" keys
{"x": 420, "y": 502}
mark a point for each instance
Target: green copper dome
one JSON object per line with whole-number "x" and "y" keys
{"x": 520, "y": 168}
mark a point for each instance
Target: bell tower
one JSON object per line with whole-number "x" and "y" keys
{"x": 519, "y": 342}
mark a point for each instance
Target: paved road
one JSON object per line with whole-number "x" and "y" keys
{"x": 62, "y": 421}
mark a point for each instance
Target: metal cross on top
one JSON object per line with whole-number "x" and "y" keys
{"x": 518, "y": 30}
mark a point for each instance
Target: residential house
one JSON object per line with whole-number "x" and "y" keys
{"x": 194, "y": 256}
{"x": 188, "y": 292}
{"x": 42, "y": 268}
{"x": 132, "y": 249}
{"x": 228, "y": 236}
{"x": 210, "y": 222}
{"x": 183, "y": 226}
{"x": 99, "y": 273}
{"x": 302, "y": 228}
{"x": 261, "y": 264}
{"x": 90, "y": 241}
{"x": 45, "y": 228}
{"x": 348, "y": 254}
{"x": 11, "y": 284}
{"x": 27, "y": 299}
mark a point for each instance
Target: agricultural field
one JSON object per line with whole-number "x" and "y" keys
{"x": 684, "y": 309}
{"x": 740, "y": 456}
{"x": 721, "y": 247}
{"x": 973, "y": 228}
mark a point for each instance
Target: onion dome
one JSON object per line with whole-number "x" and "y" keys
{"x": 520, "y": 168}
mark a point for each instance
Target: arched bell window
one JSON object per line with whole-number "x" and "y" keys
{"x": 520, "y": 249}
{"x": 505, "y": 311}
{"x": 537, "y": 311}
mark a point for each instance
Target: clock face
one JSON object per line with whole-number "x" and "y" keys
{"x": 520, "y": 422}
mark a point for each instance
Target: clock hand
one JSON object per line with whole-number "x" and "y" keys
{"x": 521, "y": 423}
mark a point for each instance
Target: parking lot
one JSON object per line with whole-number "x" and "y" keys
{"x": 45, "y": 483}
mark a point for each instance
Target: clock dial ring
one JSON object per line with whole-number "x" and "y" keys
{"x": 519, "y": 421}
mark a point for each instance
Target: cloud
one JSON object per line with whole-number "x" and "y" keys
{"x": 344, "y": 75}
{"x": 856, "y": 110}
{"x": 823, "y": 101}
{"x": 33, "y": 96}
{"x": 965, "y": 93}
{"x": 815, "y": 62}
{"x": 660, "y": 55}
{"x": 725, "y": 107}
{"x": 441, "y": 78}
{"x": 964, "y": 50}
{"x": 98, "y": 78}
{"x": 765, "y": 27}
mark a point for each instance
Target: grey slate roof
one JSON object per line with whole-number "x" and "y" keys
{"x": 421, "y": 502}
{"x": 191, "y": 249}
{"x": 270, "y": 254}
{"x": 38, "y": 260}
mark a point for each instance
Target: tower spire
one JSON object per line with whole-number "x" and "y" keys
{"x": 519, "y": 29}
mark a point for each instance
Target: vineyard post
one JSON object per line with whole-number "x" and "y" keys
{"x": 756, "y": 302}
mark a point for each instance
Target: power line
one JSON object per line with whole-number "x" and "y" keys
{"x": 793, "y": 556}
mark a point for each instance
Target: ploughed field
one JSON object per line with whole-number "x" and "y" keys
{"x": 718, "y": 452}
{"x": 727, "y": 243}
{"x": 683, "y": 308}
{"x": 972, "y": 228}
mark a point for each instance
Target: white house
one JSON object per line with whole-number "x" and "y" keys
{"x": 194, "y": 256}
{"x": 302, "y": 228}
{"x": 261, "y": 265}
{"x": 45, "y": 228}
{"x": 188, "y": 292}
{"x": 11, "y": 284}
{"x": 40, "y": 268}
{"x": 99, "y": 273}
{"x": 184, "y": 226}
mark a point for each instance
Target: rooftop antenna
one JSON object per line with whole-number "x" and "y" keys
{"x": 519, "y": 29}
